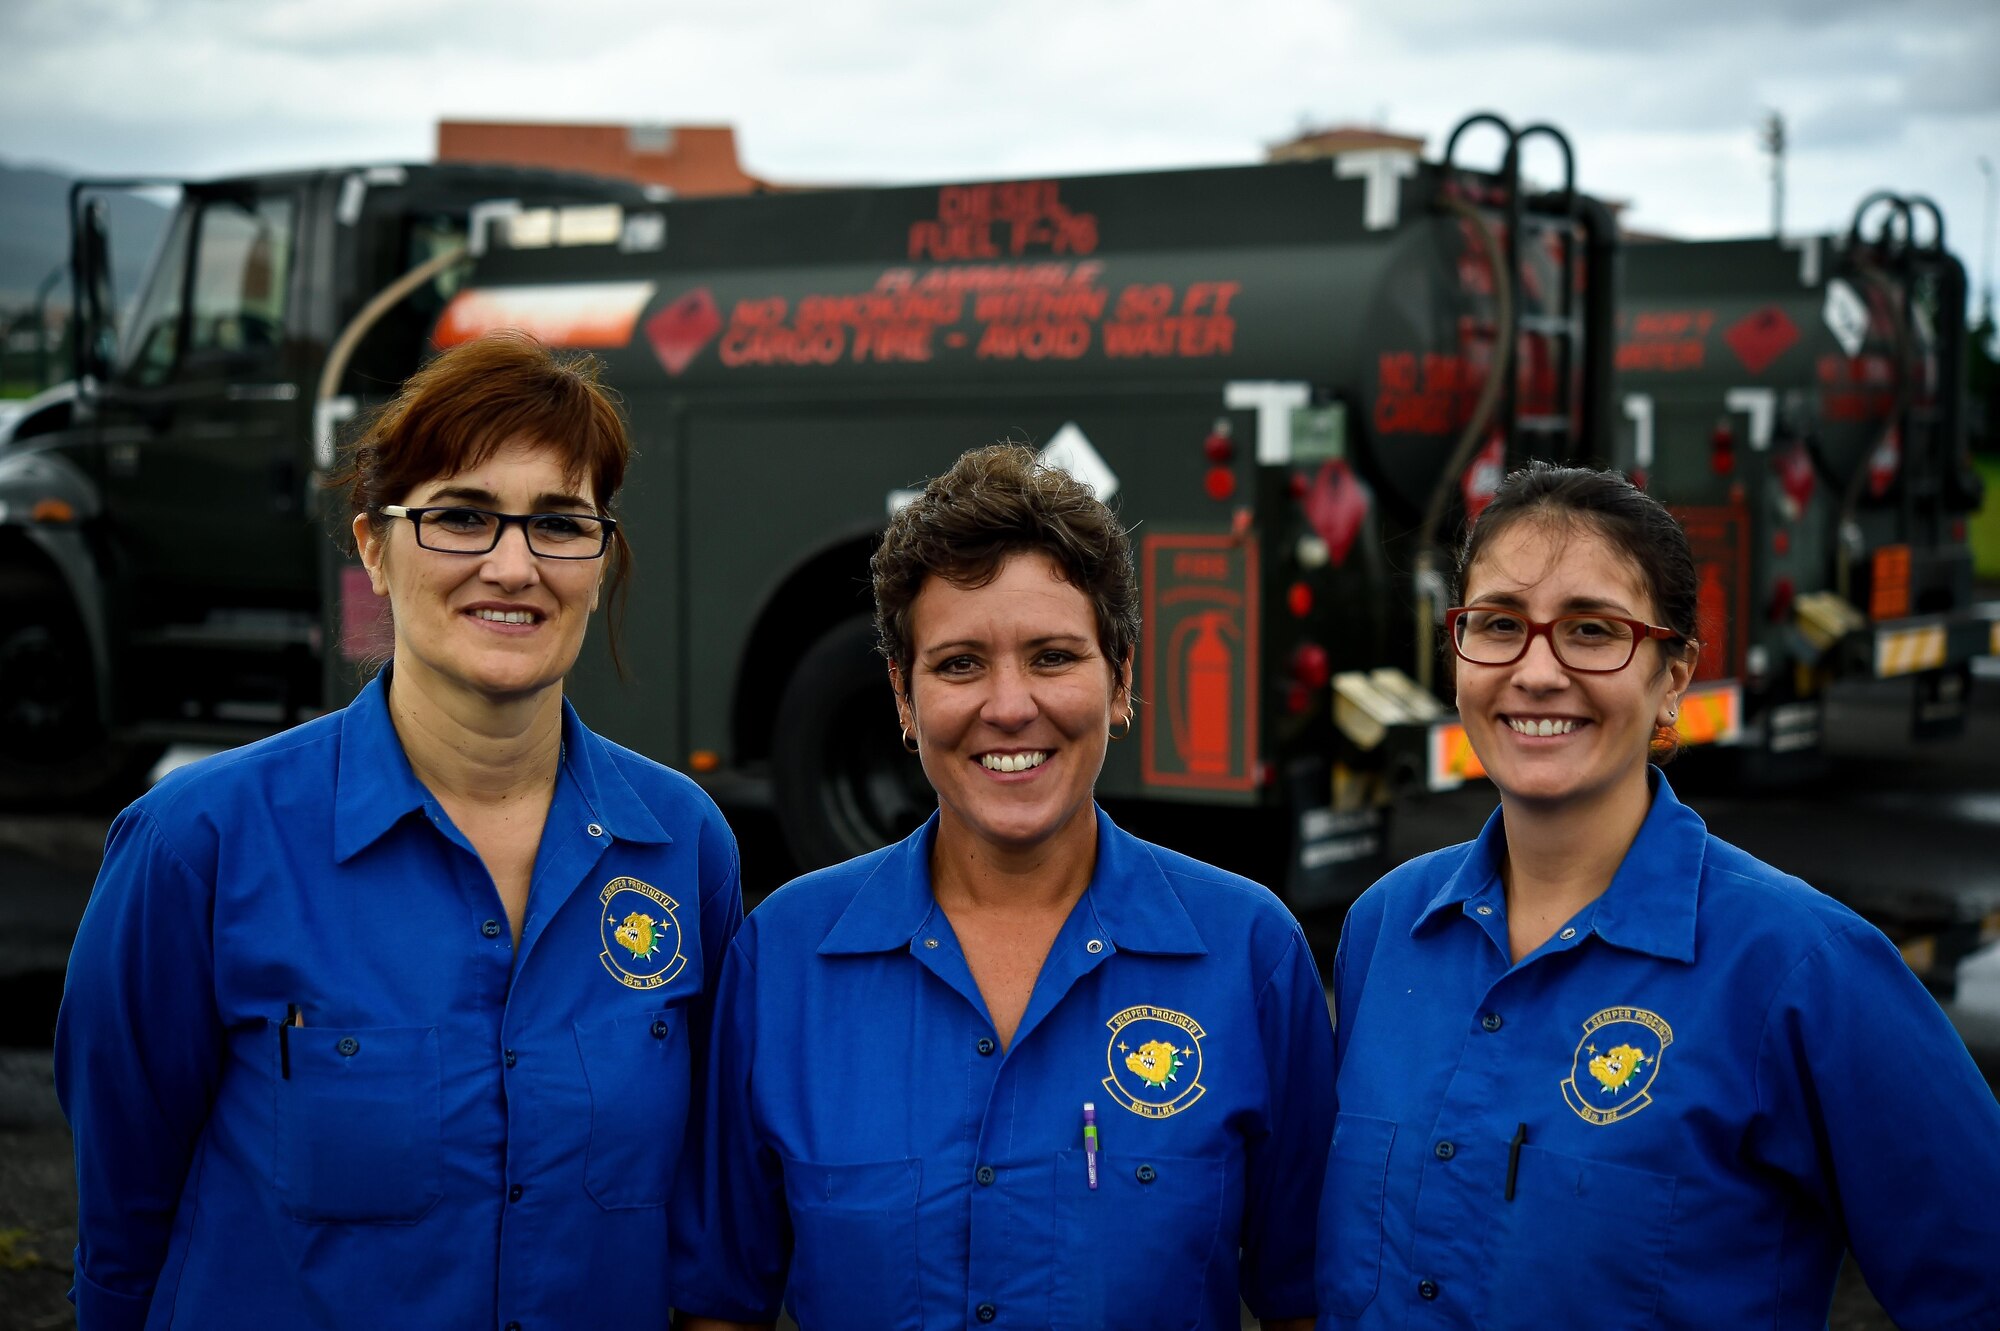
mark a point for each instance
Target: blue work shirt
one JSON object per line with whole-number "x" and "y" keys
{"x": 456, "y": 1136}
{"x": 869, "y": 1138}
{"x": 1718, "y": 1078}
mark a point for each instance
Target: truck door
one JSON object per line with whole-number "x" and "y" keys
{"x": 202, "y": 430}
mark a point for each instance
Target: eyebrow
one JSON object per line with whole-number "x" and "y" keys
{"x": 473, "y": 494}
{"x": 1573, "y": 606}
{"x": 976, "y": 644}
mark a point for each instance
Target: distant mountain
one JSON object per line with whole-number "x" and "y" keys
{"x": 34, "y": 234}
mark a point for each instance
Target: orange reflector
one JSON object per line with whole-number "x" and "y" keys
{"x": 54, "y": 510}
{"x": 704, "y": 760}
{"x": 1889, "y": 589}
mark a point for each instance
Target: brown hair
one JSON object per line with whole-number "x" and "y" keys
{"x": 994, "y": 503}
{"x": 1631, "y": 521}
{"x": 457, "y": 411}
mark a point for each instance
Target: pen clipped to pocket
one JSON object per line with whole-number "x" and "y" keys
{"x": 294, "y": 1016}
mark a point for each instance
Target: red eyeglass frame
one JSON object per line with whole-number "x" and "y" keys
{"x": 1641, "y": 631}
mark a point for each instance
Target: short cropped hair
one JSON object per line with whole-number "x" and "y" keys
{"x": 1631, "y": 521}
{"x": 995, "y": 503}
{"x": 458, "y": 410}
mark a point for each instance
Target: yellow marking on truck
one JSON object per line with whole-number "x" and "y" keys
{"x": 1905, "y": 651}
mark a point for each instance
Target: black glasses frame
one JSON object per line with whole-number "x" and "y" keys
{"x": 1641, "y": 631}
{"x": 501, "y": 522}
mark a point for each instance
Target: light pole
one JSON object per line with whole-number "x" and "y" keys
{"x": 1773, "y": 139}
{"x": 1986, "y": 254}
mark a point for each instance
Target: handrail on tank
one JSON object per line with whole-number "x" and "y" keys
{"x": 1568, "y": 155}
{"x": 1900, "y": 207}
{"x": 1929, "y": 205}
{"x": 1479, "y": 118}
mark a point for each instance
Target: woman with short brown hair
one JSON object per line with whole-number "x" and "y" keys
{"x": 393, "y": 1019}
{"x": 1022, "y": 1068}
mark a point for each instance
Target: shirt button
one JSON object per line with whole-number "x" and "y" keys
{"x": 1567, "y": 933}
{"x": 491, "y": 928}
{"x": 1144, "y": 1173}
{"x": 1485, "y": 910}
{"x": 1095, "y": 945}
{"x": 986, "y": 1046}
{"x": 986, "y": 1312}
{"x": 1445, "y": 1150}
{"x": 509, "y": 1056}
{"x": 348, "y": 1046}
{"x": 659, "y": 1028}
{"x": 930, "y": 942}
{"x": 1427, "y": 1288}
{"x": 985, "y": 1175}
{"x": 513, "y": 1326}
{"x": 594, "y": 830}
{"x": 514, "y": 1193}
{"x": 1491, "y": 1021}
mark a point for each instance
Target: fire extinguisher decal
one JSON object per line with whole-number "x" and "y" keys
{"x": 1201, "y": 664}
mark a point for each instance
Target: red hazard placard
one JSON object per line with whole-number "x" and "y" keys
{"x": 1199, "y": 669}
{"x": 682, "y": 329}
{"x": 1760, "y": 337}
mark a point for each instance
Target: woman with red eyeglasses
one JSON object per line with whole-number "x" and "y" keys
{"x": 1597, "y": 1067}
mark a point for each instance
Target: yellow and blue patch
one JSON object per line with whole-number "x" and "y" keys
{"x": 640, "y": 932}
{"x": 1611, "y": 1074}
{"x": 1155, "y": 1060}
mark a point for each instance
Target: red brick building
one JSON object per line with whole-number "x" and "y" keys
{"x": 690, "y": 160}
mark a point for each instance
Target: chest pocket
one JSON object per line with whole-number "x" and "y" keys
{"x": 359, "y": 1127}
{"x": 1583, "y": 1243}
{"x": 1132, "y": 1253}
{"x": 637, "y": 1071}
{"x": 1350, "y": 1214}
{"x": 854, "y": 1235}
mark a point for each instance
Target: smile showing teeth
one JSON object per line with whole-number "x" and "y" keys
{"x": 1541, "y": 727}
{"x": 506, "y": 616}
{"x": 1012, "y": 762}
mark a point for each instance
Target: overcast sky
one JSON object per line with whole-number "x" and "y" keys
{"x": 1661, "y": 99}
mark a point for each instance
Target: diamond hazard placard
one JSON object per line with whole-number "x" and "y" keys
{"x": 679, "y": 332}
{"x": 1760, "y": 337}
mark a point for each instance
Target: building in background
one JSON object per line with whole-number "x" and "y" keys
{"x": 690, "y": 160}
{"x": 1339, "y": 140}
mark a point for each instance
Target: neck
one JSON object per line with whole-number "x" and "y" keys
{"x": 1049, "y": 876}
{"x": 466, "y": 747}
{"x": 1561, "y": 857}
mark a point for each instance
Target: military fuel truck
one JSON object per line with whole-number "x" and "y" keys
{"x": 1798, "y": 403}
{"x": 1294, "y": 381}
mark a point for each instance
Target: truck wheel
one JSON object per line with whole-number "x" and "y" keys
{"x": 842, "y": 783}
{"x": 54, "y": 749}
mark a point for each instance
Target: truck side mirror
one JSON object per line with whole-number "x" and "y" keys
{"x": 96, "y": 331}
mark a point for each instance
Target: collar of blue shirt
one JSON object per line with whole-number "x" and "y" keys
{"x": 1136, "y": 906}
{"x": 375, "y": 786}
{"x": 1650, "y": 905}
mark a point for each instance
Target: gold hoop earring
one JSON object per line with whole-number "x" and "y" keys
{"x": 909, "y": 745}
{"x": 1117, "y": 735}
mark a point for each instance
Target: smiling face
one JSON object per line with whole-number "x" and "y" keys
{"x": 506, "y": 624}
{"x": 1547, "y": 734}
{"x": 1010, "y": 701}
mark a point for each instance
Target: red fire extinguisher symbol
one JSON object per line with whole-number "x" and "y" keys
{"x": 1201, "y": 681}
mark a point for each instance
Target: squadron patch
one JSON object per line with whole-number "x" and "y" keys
{"x": 641, "y": 934}
{"x": 1155, "y": 1061}
{"x": 1611, "y": 1074}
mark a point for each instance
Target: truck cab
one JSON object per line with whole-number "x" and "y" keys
{"x": 161, "y": 553}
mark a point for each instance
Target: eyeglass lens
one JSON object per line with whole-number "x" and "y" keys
{"x": 475, "y": 531}
{"x": 1584, "y": 642}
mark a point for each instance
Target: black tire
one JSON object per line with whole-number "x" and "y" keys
{"x": 54, "y": 749}
{"x": 841, "y": 781}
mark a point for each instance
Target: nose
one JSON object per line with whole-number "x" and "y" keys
{"x": 1010, "y": 702}
{"x": 511, "y": 563}
{"x": 1538, "y": 667}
